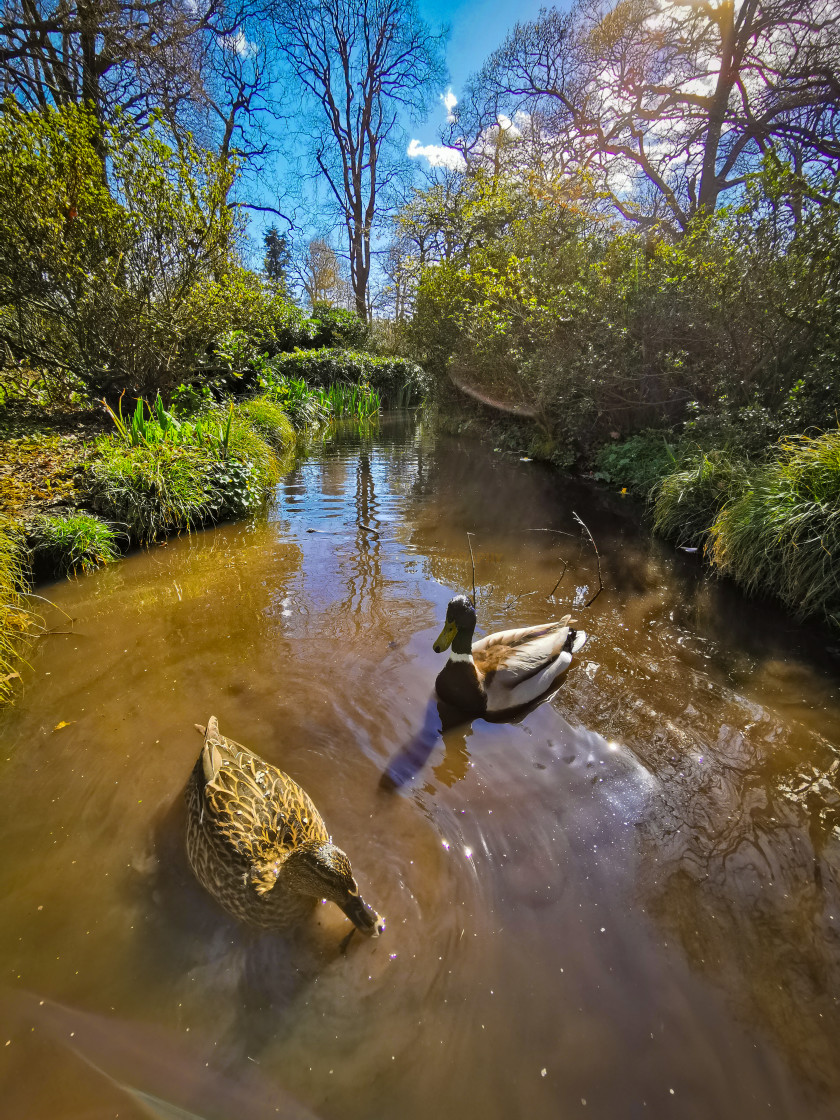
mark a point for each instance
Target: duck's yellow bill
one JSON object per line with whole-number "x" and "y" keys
{"x": 446, "y": 637}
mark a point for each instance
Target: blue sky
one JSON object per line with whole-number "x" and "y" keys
{"x": 477, "y": 28}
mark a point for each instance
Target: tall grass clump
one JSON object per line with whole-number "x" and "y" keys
{"x": 79, "y": 542}
{"x": 783, "y": 533}
{"x": 153, "y": 490}
{"x": 267, "y": 418}
{"x": 246, "y": 444}
{"x": 14, "y": 618}
{"x": 687, "y": 501}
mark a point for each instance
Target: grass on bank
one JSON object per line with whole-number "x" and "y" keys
{"x": 76, "y": 543}
{"x": 688, "y": 500}
{"x": 14, "y": 618}
{"x": 782, "y": 534}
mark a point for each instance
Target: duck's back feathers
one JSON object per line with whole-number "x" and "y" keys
{"x": 518, "y": 666}
{"x": 259, "y": 811}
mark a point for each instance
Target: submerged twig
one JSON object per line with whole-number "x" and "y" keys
{"x": 472, "y": 558}
{"x": 32, "y": 595}
{"x": 597, "y": 557}
{"x": 564, "y": 562}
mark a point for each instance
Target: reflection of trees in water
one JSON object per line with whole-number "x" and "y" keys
{"x": 741, "y": 868}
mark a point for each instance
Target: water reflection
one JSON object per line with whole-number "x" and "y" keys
{"x": 627, "y": 895}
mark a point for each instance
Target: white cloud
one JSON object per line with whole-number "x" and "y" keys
{"x": 450, "y": 101}
{"x": 437, "y": 155}
{"x": 239, "y": 44}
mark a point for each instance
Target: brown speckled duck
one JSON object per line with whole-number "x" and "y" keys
{"x": 257, "y": 843}
{"x": 502, "y": 671}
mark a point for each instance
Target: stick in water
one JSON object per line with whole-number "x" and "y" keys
{"x": 472, "y": 558}
{"x": 597, "y": 557}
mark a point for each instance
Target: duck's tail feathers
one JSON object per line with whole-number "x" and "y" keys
{"x": 211, "y": 758}
{"x": 575, "y": 640}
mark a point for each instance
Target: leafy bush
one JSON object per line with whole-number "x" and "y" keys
{"x": 688, "y": 500}
{"x": 398, "y": 381}
{"x": 79, "y": 542}
{"x": 109, "y": 275}
{"x": 247, "y": 445}
{"x": 14, "y": 618}
{"x": 638, "y": 463}
{"x": 335, "y": 327}
{"x": 782, "y": 534}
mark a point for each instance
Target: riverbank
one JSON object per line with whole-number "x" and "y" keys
{"x": 770, "y": 522}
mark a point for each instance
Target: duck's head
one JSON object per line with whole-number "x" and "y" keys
{"x": 324, "y": 871}
{"x": 459, "y": 626}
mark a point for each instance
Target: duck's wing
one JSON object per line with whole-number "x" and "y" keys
{"x": 520, "y": 665}
{"x": 256, "y": 807}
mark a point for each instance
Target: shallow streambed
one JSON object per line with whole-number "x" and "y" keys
{"x": 622, "y": 904}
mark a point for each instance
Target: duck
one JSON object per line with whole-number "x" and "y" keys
{"x": 503, "y": 671}
{"x": 259, "y": 846}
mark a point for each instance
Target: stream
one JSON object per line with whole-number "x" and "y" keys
{"x": 621, "y": 903}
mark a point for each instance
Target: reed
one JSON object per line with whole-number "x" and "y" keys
{"x": 782, "y": 534}
{"x": 15, "y": 619}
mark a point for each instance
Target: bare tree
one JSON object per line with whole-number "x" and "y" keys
{"x": 140, "y": 57}
{"x": 666, "y": 107}
{"x": 363, "y": 65}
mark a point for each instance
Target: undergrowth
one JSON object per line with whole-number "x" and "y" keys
{"x": 79, "y": 542}
{"x": 782, "y": 534}
{"x": 14, "y": 618}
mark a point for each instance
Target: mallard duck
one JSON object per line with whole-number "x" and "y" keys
{"x": 505, "y": 670}
{"x": 257, "y": 843}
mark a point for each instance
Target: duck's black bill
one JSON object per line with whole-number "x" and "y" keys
{"x": 365, "y": 920}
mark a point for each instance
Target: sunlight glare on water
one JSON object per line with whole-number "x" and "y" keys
{"x": 621, "y": 903}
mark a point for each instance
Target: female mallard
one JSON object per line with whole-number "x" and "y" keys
{"x": 505, "y": 670}
{"x": 257, "y": 843}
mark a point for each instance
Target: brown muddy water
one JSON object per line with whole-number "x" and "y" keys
{"x": 623, "y": 903}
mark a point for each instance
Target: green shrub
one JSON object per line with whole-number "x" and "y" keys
{"x": 688, "y": 500}
{"x": 638, "y": 463}
{"x": 398, "y": 381}
{"x": 338, "y": 328}
{"x": 267, "y": 417}
{"x": 782, "y": 534}
{"x": 304, "y": 407}
{"x": 79, "y": 542}
{"x": 14, "y": 618}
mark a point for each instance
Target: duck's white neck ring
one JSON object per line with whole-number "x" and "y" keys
{"x": 461, "y": 657}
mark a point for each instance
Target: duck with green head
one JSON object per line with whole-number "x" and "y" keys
{"x": 502, "y": 671}
{"x": 257, "y": 843}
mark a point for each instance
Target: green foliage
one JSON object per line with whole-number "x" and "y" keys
{"x": 782, "y": 534}
{"x": 637, "y": 463}
{"x": 154, "y": 489}
{"x": 102, "y": 275}
{"x": 79, "y": 542}
{"x": 244, "y": 443}
{"x": 397, "y": 380}
{"x": 14, "y": 618}
{"x": 159, "y": 426}
{"x": 337, "y": 328}
{"x": 689, "y": 498}
{"x": 267, "y": 417}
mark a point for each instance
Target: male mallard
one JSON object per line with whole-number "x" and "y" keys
{"x": 257, "y": 843}
{"x": 505, "y": 670}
